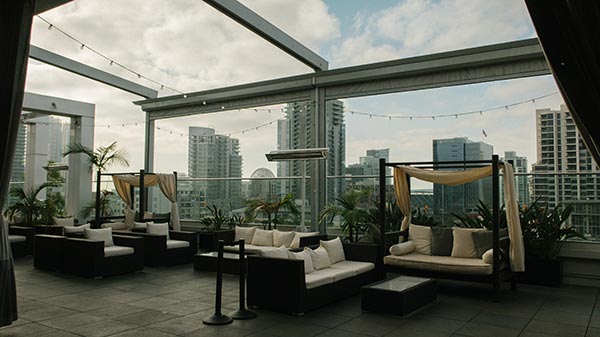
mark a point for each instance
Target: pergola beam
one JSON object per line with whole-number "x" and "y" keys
{"x": 84, "y": 70}
{"x": 474, "y": 65}
{"x": 263, "y": 28}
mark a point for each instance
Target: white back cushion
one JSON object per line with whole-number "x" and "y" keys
{"x": 281, "y": 252}
{"x": 282, "y": 238}
{"x": 76, "y": 229}
{"x": 463, "y": 244}
{"x": 158, "y": 228}
{"x": 421, "y": 237}
{"x": 99, "y": 234}
{"x": 246, "y": 233}
{"x": 305, "y": 256}
{"x": 334, "y": 249}
{"x": 262, "y": 237}
{"x": 129, "y": 218}
{"x": 319, "y": 257}
{"x": 402, "y": 248}
{"x": 64, "y": 221}
{"x": 297, "y": 235}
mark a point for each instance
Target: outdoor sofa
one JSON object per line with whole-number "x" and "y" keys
{"x": 285, "y": 284}
{"x": 21, "y": 240}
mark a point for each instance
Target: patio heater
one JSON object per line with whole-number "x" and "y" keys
{"x": 304, "y": 155}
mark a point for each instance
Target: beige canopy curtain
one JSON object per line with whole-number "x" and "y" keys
{"x": 454, "y": 178}
{"x": 167, "y": 185}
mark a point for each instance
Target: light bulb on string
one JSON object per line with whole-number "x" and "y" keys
{"x": 82, "y": 46}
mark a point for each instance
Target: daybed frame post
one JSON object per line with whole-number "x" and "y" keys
{"x": 382, "y": 201}
{"x": 142, "y": 196}
{"x": 495, "y": 224}
{"x": 98, "y": 193}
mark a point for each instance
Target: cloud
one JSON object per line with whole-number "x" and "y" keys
{"x": 416, "y": 27}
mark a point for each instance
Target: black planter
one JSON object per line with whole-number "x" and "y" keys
{"x": 209, "y": 241}
{"x": 542, "y": 272}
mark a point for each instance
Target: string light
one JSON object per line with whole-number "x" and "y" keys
{"x": 111, "y": 61}
{"x": 455, "y": 115}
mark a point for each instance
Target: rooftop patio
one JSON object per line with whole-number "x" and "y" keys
{"x": 173, "y": 301}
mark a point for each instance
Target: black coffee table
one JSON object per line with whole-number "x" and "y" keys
{"x": 400, "y": 295}
{"x": 208, "y": 262}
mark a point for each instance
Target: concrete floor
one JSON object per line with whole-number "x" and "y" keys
{"x": 173, "y": 301}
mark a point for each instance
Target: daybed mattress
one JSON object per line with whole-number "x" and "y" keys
{"x": 457, "y": 265}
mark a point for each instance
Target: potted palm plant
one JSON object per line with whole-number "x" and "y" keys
{"x": 271, "y": 208}
{"x": 356, "y": 218}
{"x": 29, "y": 210}
{"x": 545, "y": 230}
{"x": 215, "y": 227}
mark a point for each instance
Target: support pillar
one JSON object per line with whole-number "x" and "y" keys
{"x": 36, "y": 154}
{"x": 79, "y": 178}
{"x": 149, "y": 157}
{"x": 318, "y": 181}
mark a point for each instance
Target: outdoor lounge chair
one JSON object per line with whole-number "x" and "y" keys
{"x": 94, "y": 258}
{"x": 21, "y": 240}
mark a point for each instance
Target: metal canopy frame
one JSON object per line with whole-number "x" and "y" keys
{"x": 516, "y": 59}
{"x": 263, "y": 28}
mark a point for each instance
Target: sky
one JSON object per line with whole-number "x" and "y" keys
{"x": 189, "y": 46}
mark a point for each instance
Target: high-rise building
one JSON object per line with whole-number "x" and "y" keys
{"x": 261, "y": 187}
{"x": 368, "y": 166}
{"x": 521, "y": 181}
{"x": 296, "y": 132}
{"x": 560, "y": 150}
{"x": 463, "y": 198}
{"x": 17, "y": 177}
{"x": 211, "y": 155}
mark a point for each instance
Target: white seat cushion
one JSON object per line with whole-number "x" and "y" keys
{"x": 250, "y": 249}
{"x": 337, "y": 274}
{"x": 16, "y": 238}
{"x": 316, "y": 280}
{"x": 111, "y": 251}
{"x": 457, "y": 265}
{"x": 357, "y": 267}
{"x": 171, "y": 244}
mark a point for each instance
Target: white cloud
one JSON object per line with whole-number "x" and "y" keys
{"x": 416, "y": 27}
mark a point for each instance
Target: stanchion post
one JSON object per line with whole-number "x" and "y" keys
{"x": 242, "y": 312}
{"x": 218, "y": 318}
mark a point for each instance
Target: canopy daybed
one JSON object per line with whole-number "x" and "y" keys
{"x": 125, "y": 184}
{"x": 507, "y": 252}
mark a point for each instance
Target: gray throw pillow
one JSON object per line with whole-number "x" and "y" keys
{"x": 441, "y": 241}
{"x": 484, "y": 240}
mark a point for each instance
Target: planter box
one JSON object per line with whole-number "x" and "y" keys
{"x": 209, "y": 241}
{"x": 542, "y": 272}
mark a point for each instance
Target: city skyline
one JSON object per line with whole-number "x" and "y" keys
{"x": 350, "y": 33}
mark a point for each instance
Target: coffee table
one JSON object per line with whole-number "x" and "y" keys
{"x": 208, "y": 262}
{"x": 400, "y": 295}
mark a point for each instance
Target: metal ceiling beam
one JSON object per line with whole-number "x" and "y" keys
{"x": 263, "y": 28}
{"x": 474, "y": 65}
{"x": 84, "y": 70}
{"x": 46, "y": 5}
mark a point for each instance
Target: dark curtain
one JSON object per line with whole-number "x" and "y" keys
{"x": 16, "y": 17}
{"x": 569, "y": 32}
